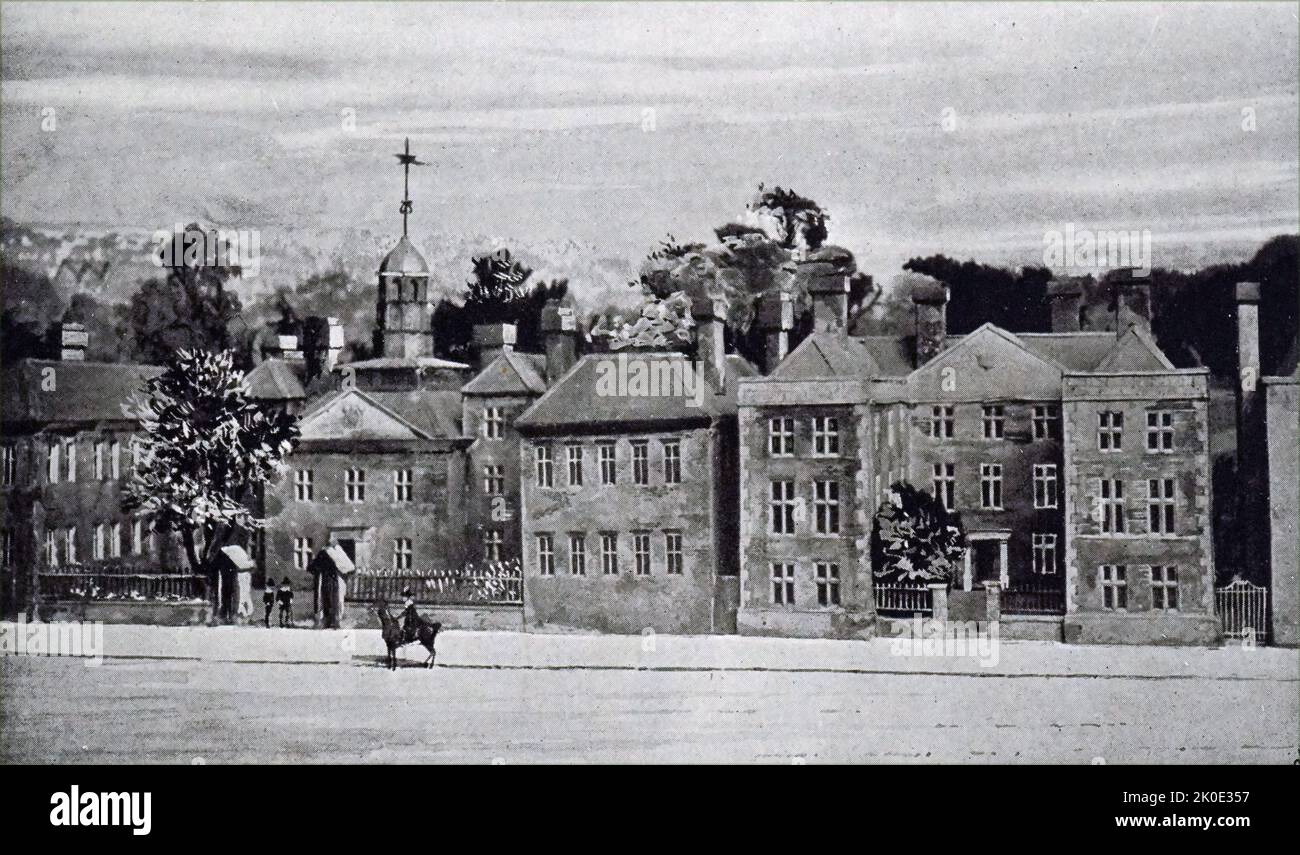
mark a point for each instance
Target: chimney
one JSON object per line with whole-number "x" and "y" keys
{"x": 1132, "y": 300}
{"x": 490, "y": 341}
{"x": 930, "y": 300}
{"x": 560, "y": 332}
{"x": 1252, "y": 479}
{"x": 710, "y": 350}
{"x": 829, "y": 289}
{"x": 73, "y": 341}
{"x": 775, "y": 320}
{"x": 322, "y": 345}
{"x": 1065, "y": 296}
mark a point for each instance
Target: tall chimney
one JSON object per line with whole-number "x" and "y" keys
{"x": 1065, "y": 296}
{"x": 322, "y": 345}
{"x": 710, "y": 350}
{"x": 775, "y": 320}
{"x": 830, "y": 298}
{"x": 930, "y": 300}
{"x": 1132, "y": 300}
{"x": 490, "y": 341}
{"x": 1252, "y": 480}
{"x": 560, "y": 331}
{"x": 73, "y": 341}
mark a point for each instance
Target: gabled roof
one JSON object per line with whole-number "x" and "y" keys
{"x": 1135, "y": 351}
{"x": 510, "y": 373}
{"x": 385, "y": 362}
{"x": 355, "y": 415}
{"x": 48, "y": 390}
{"x": 827, "y": 354}
{"x": 274, "y": 380}
{"x": 436, "y": 412}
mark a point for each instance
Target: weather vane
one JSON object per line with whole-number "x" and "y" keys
{"x": 407, "y": 160}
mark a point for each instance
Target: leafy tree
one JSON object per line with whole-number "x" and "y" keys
{"x": 662, "y": 324}
{"x": 982, "y": 293}
{"x": 914, "y": 538}
{"x": 800, "y": 220}
{"x": 206, "y": 452}
{"x": 497, "y": 293}
{"x": 496, "y": 288}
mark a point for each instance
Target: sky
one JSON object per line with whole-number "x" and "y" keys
{"x": 969, "y": 129}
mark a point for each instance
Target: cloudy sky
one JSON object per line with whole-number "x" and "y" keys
{"x": 965, "y": 128}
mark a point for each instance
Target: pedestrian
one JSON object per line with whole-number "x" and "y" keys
{"x": 285, "y": 595}
{"x": 268, "y": 600}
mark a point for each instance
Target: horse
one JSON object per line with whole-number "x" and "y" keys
{"x": 426, "y": 631}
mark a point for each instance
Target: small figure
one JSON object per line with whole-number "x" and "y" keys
{"x": 410, "y": 619}
{"x": 285, "y": 595}
{"x": 268, "y": 600}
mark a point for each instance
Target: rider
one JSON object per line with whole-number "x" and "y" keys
{"x": 410, "y": 620}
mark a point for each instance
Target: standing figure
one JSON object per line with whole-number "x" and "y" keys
{"x": 285, "y": 595}
{"x": 268, "y": 601}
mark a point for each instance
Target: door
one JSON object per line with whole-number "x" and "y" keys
{"x": 349, "y": 546}
{"x": 986, "y": 563}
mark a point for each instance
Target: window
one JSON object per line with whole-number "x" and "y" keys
{"x": 115, "y": 459}
{"x": 492, "y": 545}
{"x": 782, "y": 507}
{"x": 401, "y": 553}
{"x": 945, "y": 484}
{"x": 1044, "y": 554}
{"x": 137, "y": 536}
{"x": 640, "y": 462}
{"x": 608, "y": 463}
{"x": 9, "y": 464}
{"x": 494, "y": 422}
{"x": 1110, "y": 431}
{"x": 1112, "y": 506}
{"x": 1164, "y": 588}
{"x": 942, "y": 420}
{"x": 304, "y": 485}
{"x": 672, "y": 462}
{"x": 137, "y": 452}
{"x": 101, "y": 453}
{"x": 545, "y": 468}
{"x": 99, "y": 546}
{"x": 826, "y": 507}
{"x": 991, "y": 486}
{"x": 1160, "y": 505}
{"x": 115, "y": 540}
{"x": 826, "y": 436}
{"x": 994, "y": 421}
{"x": 1114, "y": 586}
{"x": 1045, "y": 421}
{"x": 494, "y": 480}
{"x": 7, "y": 548}
{"x": 1160, "y": 431}
{"x": 545, "y": 555}
{"x": 828, "y": 583}
{"x": 301, "y": 553}
{"x": 609, "y": 554}
{"x": 1045, "y": 488}
{"x": 578, "y": 554}
{"x": 641, "y": 552}
{"x": 403, "y": 485}
{"x": 575, "y": 465}
{"x": 52, "y": 469}
{"x": 780, "y": 437}
{"x": 783, "y": 584}
{"x": 673, "y": 552}
{"x": 70, "y": 542}
{"x": 72, "y": 460}
{"x": 51, "y": 553}
{"x": 354, "y": 481}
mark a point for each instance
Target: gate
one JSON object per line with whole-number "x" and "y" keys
{"x": 1243, "y": 610}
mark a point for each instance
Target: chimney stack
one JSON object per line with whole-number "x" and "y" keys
{"x": 930, "y": 301}
{"x": 490, "y": 341}
{"x": 73, "y": 341}
{"x": 322, "y": 345}
{"x": 560, "y": 332}
{"x": 710, "y": 349}
{"x": 1132, "y": 300}
{"x": 775, "y": 320}
{"x": 1065, "y": 296}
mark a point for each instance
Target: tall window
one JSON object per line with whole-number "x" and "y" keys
{"x": 945, "y": 484}
{"x": 942, "y": 421}
{"x": 991, "y": 486}
{"x": 354, "y": 483}
{"x": 494, "y": 423}
{"x": 782, "y": 584}
{"x": 994, "y": 421}
{"x": 608, "y": 463}
{"x": 403, "y": 485}
{"x": 51, "y": 551}
{"x": 1160, "y": 431}
{"x": 1044, "y": 554}
{"x": 641, "y": 552}
{"x": 1160, "y": 505}
{"x": 52, "y": 460}
{"x": 115, "y": 459}
{"x": 1114, "y": 586}
{"x": 7, "y": 547}
{"x": 782, "y": 507}
{"x": 575, "y": 465}
{"x": 1110, "y": 431}
{"x": 492, "y": 544}
{"x": 494, "y": 480}
{"x": 826, "y": 436}
{"x": 609, "y": 553}
{"x": 545, "y": 470}
{"x": 673, "y": 552}
{"x": 672, "y": 462}
{"x": 1045, "y": 487}
{"x": 826, "y": 507}
{"x": 70, "y": 542}
{"x": 99, "y": 545}
{"x": 780, "y": 437}
{"x": 578, "y": 554}
{"x": 137, "y": 536}
{"x": 1045, "y": 421}
{"x": 828, "y": 583}
{"x": 304, "y": 484}
{"x": 1112, "y": 506}
{"x": 101, "y": 455}
{"x": 401, "y": 553}
{"x": 115, "y": 540}
{"x": 640, "y": 462}
{"x": 301, "y": 553}
{"x": 545, "y": 555}
{"x": 1164, "y": 588}
{"x": 9, "y": 464}
{"x": 71, "y": 449}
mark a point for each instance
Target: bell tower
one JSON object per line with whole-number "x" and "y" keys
{"x": 404, "y": 311}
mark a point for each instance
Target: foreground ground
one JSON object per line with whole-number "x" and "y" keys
{"x": 519, "y": 699}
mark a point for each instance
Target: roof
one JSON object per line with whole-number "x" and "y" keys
{"x": 332, "y": 558}
{"x": 435, "y": 412}
{"x": 404, "y": 260}
{"x": 46, "y": 390}
{"x": 237, "y": 559}
{"x": 274, "y": 380}
{"x": 598, "y": 392}
{"x": 428, "y": 413}
{"x": 511, "y": 373}
{"x": 383, "y": 362}
{"x": 827, "y": 354}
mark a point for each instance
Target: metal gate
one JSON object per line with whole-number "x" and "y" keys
{"x": 1243, "y": 610}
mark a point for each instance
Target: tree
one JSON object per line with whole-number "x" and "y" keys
{"x": 800, "y": 220}
{"x": 913, "y": 537}
{"x": 497, "y": 293}
{"x": 982, "y": 293}
{"x": 206, "y": 451}
{"x": 496, "y": 288}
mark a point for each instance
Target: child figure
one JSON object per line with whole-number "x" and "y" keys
{"x": 285, "y": 595}
{"x": 268, "y": 600}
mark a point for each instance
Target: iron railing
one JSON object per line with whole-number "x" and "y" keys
{"x": 1033, "y": 600}
{"x": 139, "y": 587}
{"x": 903, "y": 600}
{"x": 497, "y": 584}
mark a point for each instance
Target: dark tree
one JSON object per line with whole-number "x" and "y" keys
{"x": 914, "y": 538}
{"x": 800, "y": 218}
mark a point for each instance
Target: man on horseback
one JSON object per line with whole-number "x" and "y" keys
{"x": 410, "y": 619}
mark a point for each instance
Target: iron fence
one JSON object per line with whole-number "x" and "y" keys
{"x": 1243, "y": 610}
{"x": 903, "y": 600}
{"x": 500, "y": 584}
{"x": 172, "y": 587}
{"x": 1033, "y": 600}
